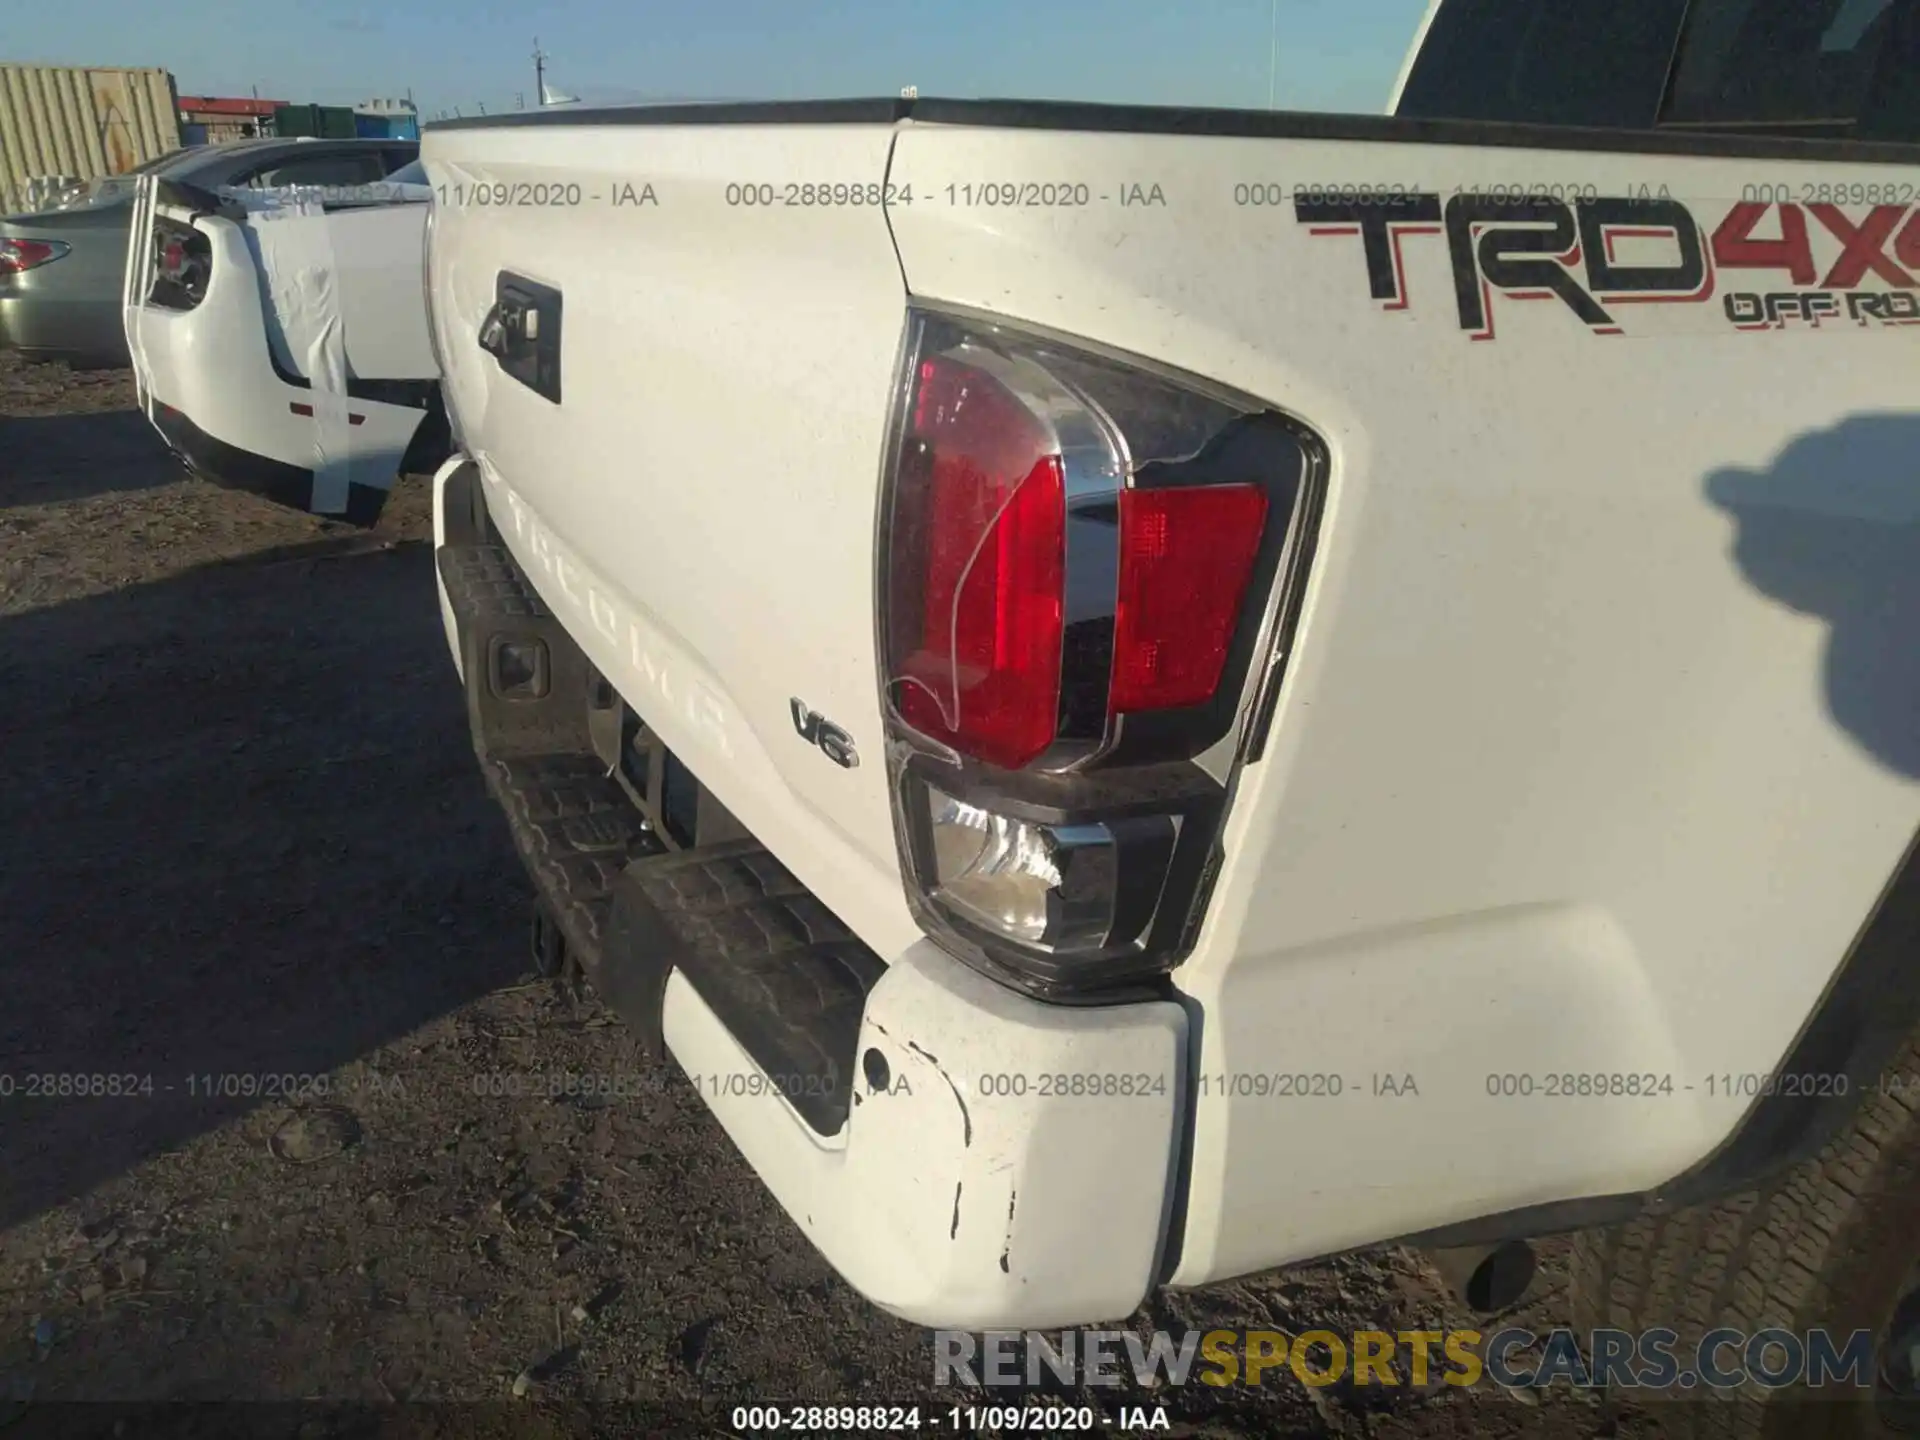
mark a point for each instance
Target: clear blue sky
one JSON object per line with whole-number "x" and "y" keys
{"x": 1333, "y": 54}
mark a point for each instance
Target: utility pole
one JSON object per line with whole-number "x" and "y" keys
{"x": 539, "y": 71}
{"x": 519, "y": 100}
{"x": 1273, "y": 51}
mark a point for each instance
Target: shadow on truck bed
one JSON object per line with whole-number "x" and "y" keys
{"x": 1832, "y": 528}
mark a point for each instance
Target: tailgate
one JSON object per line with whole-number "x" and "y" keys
{"x": 1596, "y": 742}
{"x": 693, "y": 491}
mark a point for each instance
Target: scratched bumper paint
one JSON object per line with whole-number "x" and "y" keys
{"x": 1006, "y": 1163}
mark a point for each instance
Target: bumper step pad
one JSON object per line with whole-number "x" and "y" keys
{"x": 774, "y": 964}
{"x": 787, "y": 979}
{"x": 576, "y": 830}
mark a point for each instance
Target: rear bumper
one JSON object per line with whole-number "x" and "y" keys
{"x": 971, "y": 1186}
{"x": 1001, "y": 1163}
{"x": 233, "y": 468}
{"x": 81, "y": 332}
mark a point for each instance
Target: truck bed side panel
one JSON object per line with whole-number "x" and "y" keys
{"x": 1598, "y": 742}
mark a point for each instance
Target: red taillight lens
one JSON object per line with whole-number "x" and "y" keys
{"x": 1185, "y": 558}
{"x": 20, "y": 255}
{"x": 980, "y": 572}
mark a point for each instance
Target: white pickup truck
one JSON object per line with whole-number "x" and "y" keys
{"x": 279, "y": 337}
{"x": 1139, "y": 695}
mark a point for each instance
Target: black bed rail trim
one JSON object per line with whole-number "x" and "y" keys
{"x": 1072, "y": 115}
{"x": 717, "y": 112}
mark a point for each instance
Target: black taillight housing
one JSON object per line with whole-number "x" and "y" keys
{"x": 182, "y": 264}
{"x": 1081, "y": 567}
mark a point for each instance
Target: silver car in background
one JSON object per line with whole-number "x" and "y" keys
{"x": 61, "y": 269}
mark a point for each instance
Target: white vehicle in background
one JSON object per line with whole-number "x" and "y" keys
{"x": 279, "y": 337}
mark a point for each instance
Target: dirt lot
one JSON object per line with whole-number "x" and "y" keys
{"x": 245, "y": 837}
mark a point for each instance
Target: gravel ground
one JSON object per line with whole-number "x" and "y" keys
{"x": 246, "y": 837}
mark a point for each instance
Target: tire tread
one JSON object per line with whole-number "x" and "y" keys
{"x": 1773, "y": 1256}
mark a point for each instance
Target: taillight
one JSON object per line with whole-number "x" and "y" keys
{"x": 18, "y": 256}
{"x": 1079, "y": 556}
{"x": 182, "y": 264}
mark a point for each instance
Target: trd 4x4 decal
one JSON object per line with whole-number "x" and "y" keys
{"x": 1547, "y": 249}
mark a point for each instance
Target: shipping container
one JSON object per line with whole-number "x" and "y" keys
{"x": 221, "y": 132}
{"x": 326, "y": 122}
{"x": 402, "y": 126}
{"x": 70, "y": 120}
{"x": 218, "y": 118}
{"x": 388, "y": 119}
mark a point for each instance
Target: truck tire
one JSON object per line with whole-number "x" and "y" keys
{"x": 1832, "y": 1243}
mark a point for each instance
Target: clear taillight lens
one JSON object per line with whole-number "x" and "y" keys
{"x": 1078, "y": 559}
{"x": 999, "y": 869}
{"x": 1040, "y": 884}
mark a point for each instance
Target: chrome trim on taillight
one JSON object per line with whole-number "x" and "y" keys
{"x": 1095, "y": 463}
